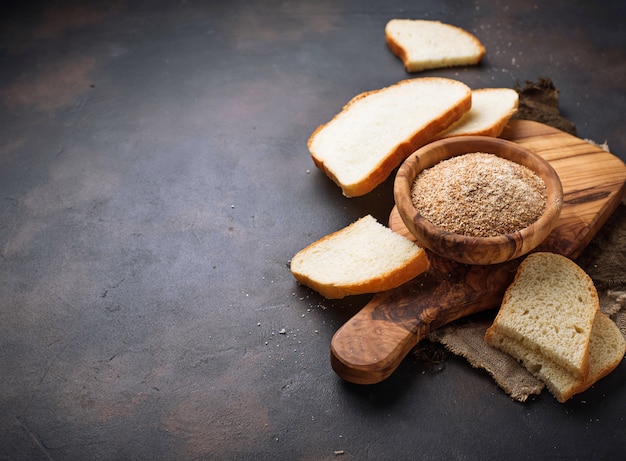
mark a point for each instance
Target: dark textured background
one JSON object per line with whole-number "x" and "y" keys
{"x": 155, "y": 182}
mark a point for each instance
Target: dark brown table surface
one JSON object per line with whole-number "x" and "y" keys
{"x": 154, "y": 184}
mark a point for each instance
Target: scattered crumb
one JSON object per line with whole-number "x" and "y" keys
{"x": 604, "y": 146}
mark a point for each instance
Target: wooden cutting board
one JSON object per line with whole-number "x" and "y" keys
{"x": 371, "y": 345}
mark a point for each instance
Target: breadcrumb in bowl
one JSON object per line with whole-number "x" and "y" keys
{"x": 478, "y": 199}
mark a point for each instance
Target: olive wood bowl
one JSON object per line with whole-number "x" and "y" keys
{"x": 469, "y": 249}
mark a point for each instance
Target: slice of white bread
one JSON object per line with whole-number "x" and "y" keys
{"x": 491, "y": 110}
{"x": 364, "y": 257}
{"x": 360, "y": 147}
{"x": 606, "y": 350}
{"x": 550, "y": 307}
{"x": 423, "y": 44}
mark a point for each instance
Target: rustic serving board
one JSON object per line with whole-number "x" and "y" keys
{"x": 371, "y": 345}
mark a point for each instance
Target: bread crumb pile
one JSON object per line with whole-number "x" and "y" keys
{"x": 479, "y": 195}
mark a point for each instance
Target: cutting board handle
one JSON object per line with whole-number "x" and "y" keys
{"x": 368, "y": 348}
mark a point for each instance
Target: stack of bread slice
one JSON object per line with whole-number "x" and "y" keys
{"x": 551, "y": 322}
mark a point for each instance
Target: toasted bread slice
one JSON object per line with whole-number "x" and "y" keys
{"x": 364, "y": 257}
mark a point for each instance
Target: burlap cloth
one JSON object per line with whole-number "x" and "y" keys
{"x": 604, "y": 260}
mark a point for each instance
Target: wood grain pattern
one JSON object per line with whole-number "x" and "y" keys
{"x": 476, "y": 250}
{"x": 370, "y": 346}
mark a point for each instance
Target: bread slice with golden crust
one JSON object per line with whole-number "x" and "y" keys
{"x": 425, "y": 44}
{"x": 491, "y": 109}
{"x": 606, "y": 350}
{"x": 549, "y": 307}
{"x": 364, "y": 257}
{"x": 375, "y": 131}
